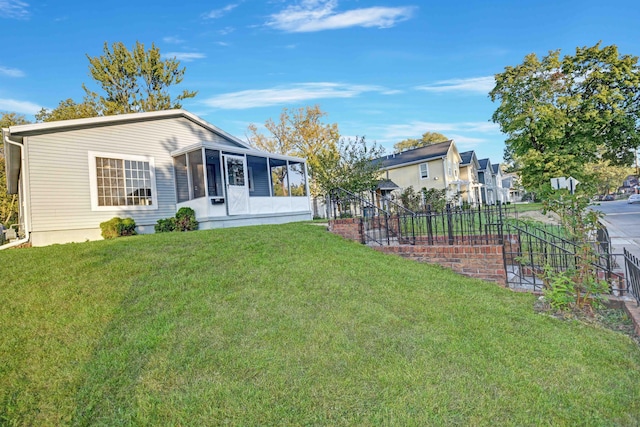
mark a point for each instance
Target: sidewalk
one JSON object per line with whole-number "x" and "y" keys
{"x": 620, "y": 241}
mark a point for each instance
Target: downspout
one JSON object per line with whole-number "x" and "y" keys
{"x": 24, "y": 194}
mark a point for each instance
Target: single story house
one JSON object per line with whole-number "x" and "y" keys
{"x": 72, "y": 175}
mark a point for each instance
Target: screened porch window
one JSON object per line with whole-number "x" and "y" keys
{"x": 279, "y": 177}
{"x": 189, "y": 171}
{"x": 297, "y": 179}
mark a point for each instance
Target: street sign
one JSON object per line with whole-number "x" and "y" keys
{"x": 565, "y": 183}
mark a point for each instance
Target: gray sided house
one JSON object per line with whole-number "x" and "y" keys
{"x": 72, "y": 175}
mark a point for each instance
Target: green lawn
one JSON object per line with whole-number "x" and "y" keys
{"x": 289, "y": 325}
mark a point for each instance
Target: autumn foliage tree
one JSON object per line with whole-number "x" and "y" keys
{"x": 427, "y": 138}
{"x": 561, "y": 113}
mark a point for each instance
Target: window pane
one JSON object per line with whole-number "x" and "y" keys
{"x": 297, "y": 179}
{"x": 117, "y": 183}
{"x": 235, "y": 171}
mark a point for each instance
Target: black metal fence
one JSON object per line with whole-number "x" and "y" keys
{"x": 632, "y": 269}
{"x": 531, "y": 252}
{"x": 385, "y": 221}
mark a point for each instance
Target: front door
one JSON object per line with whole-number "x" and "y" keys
{"x": 235, "y": 169}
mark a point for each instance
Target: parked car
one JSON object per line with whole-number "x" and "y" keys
{"x": 634, "y": 198}
{"x": 608, "y": 198}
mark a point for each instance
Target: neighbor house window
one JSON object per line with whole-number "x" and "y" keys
{"x": 122, "y": 182}
{"x": 424, "y": 171}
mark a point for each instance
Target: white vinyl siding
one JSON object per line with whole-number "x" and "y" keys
{"x": 424, "y": 171}
{"x": 59, "y": 173}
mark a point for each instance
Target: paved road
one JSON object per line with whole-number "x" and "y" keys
{"x": 623, "y": 222}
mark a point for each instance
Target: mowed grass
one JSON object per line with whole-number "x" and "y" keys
{"x": 289, "y": 325}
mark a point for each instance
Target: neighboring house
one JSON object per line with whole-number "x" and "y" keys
{"x": 513, "y": 184}
{"x": 502, "y": 193}
{"x": 470, "y": 187}
{"x": 433, "y": 166}
{"x": 72, "y": 175}
{"x": 485, "y": 177}
{"x": 629, "y": 185}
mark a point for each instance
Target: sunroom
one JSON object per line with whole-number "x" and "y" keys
{"x": 228, "y": 186}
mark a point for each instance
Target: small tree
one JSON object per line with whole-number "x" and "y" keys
{"x": 577, "y": 286}
{"x": 351, "y": 166}
{"x": 8, "y": 202}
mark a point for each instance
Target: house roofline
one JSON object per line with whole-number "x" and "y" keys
{"x": 236, "y": 150}
{"x": 61, "y": 125}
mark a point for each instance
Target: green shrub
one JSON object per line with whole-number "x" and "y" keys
{"x": 127, "y": 227}
{"x": 165, "y": 225}
{"x": 186, "y": 220}
{"x": 117, "y": 227}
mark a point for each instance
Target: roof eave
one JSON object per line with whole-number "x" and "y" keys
{"x": 37, "y": 128}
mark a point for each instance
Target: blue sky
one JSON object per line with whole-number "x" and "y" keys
{"x": 388, "y": 69}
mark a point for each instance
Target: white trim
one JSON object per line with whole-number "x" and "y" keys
{"x": 93, "y": 182}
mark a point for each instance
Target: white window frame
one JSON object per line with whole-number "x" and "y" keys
{"x": 426, "y": 165}
{"x": 93, "y": 182}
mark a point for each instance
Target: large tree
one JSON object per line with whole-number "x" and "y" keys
{"x": 131, "y": 81}
{"x": 427, "y": 138}
{"x": 135, "y": 80}
{"x": 560, "y": 113}
{"x": 8, "y": 202}
{"x": 299, "y": 132}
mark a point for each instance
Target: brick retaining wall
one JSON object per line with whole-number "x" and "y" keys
{"x": 482, "y": 262}
{"x": 349, "y": 228}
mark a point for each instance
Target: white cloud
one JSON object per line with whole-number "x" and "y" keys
{"x": 184, "y": 56}
{"x": 14, "y": 9}
{"x": 11, "y": 72}
{"x": 172, "y": 40}
{"x": 319, "y": 15}
{"x": 417, "y": 128}
{"x": 23, "y": 107}
{"x": 218, "y": 13}
{"x": 287, "y": 94}
{"x": 474, "y": 84}
{"x": 226, "y": 30}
